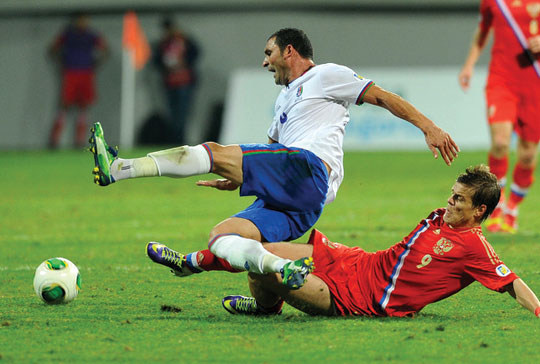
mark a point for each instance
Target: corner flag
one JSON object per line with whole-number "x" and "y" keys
{"x": 134, "y": 40}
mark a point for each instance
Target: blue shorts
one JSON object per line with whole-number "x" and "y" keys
{"x": 290, "y": 185}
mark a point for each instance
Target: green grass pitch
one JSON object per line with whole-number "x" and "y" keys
{"x": 50, "y": 207}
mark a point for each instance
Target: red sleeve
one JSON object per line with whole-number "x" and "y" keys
{"x": 486, "y": 15}
{"x": 484, "y": 265}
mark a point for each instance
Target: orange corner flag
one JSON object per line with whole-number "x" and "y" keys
{"x": 134, "y": 40}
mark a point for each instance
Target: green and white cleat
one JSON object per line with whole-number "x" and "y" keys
{"x": 294, "y": 273}
{"x": 104, "y": 156}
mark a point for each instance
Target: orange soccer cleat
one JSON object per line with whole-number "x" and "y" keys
{"x": 495, "y": 221}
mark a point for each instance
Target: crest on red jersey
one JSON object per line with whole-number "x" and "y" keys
{"x": 443, "y": 246}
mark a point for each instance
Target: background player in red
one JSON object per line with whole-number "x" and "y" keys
{"x": 79, "y": 49}
{"x": 442, "y": 255}
{"x": 512, "y": 95}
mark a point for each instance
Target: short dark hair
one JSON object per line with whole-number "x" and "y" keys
{"x": 485, "y": 185}
{"x": 295, "y": 37}
{"x": 167, "y": 23}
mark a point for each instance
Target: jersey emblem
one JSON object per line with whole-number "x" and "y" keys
{"x": 502, "y": 270}
{"x": 283, "y": 118}
{"x": 299, "y": 91}
{"x": 359, "y": 77}
{"x": 533, "y": 10}
{"x": 437, "y": 231}
{"x": 443, "y": 246}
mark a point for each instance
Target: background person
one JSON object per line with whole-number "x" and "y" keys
{"x": 176, "y": 58}
{"x": 80, "y": 49}
{"x": 512, "y": 97}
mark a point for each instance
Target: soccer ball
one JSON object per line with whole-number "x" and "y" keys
{"x": 57, "y": 280}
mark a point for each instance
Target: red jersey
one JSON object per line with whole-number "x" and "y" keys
{"x": 78, "y": 48}
{"x": 506, "y": 49}
{"x": 433, "y": 262}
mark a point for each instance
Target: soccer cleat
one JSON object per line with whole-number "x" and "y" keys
{"x": 294, "y": 273}
{"x": 161, "y": 254}
{"x": 104, "y": 156}
{"x": 509, "y": 224}
{"x": 241, "y": 305}
{"x": 495, "y": 220}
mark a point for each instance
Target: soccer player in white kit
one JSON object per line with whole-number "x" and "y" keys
{"x": 292, "y": 176}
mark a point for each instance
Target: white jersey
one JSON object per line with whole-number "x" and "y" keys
{"x": 312, "y": 111}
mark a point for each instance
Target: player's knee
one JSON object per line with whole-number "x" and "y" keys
{"x": 214, "y": 234}
{"x": 500, "y": 146}
{"x": 227, "y": 160}
{"x": 527, "y": 159}
{"x": 223, "y": 228}
{"x": 214, "y": 147}
{"x": 272, "y": 248}
{"x": 527, "y": 153}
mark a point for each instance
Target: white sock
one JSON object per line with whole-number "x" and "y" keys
{"x": 182, "y": 161}
{"x": 247, "y": 254}
{"x": 133, "y": 168}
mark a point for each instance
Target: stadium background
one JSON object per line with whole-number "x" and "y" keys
{"x": 406, "y": 38}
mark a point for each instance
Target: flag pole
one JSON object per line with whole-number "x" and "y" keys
{"x": 127, "y": 102}
{"x": 135, "y": 53}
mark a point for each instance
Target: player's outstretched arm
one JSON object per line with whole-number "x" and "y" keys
{"x": 220, "y": 184}
{"x": 438, "y": 140}
{"x": 524, "y": 296}
{"x": 477, "y": 45}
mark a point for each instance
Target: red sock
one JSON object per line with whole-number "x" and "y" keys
{"x": 502, "y": 199}
{"x": 82, "y": 130}
{"x": 206, "y": 260}
{"x": 498, "y": 166}
{"x": 522, "y": 180}
{"x": 57, "y": 128}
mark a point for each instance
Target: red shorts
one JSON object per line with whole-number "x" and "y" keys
{"x": 346, "y": 272}
{"x": 78, "y": 87}
{"x": 515, "y": 102}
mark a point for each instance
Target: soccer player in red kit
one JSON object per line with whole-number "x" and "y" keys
{"x": 80, "y": 50}
{"x": 512, "y": 95}
{"x": 443, "y": 254}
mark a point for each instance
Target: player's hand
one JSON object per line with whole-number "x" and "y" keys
{"x": 464, "y": 78}
{"x": 534, "y": 44}
{"x": 439, "y": 141}
{"x": 220, "y": 184}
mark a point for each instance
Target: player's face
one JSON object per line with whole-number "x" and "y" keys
{"x": 460, "y": 212}
{"x": 82, "y": 22}
{"x": 273, "y": 60}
